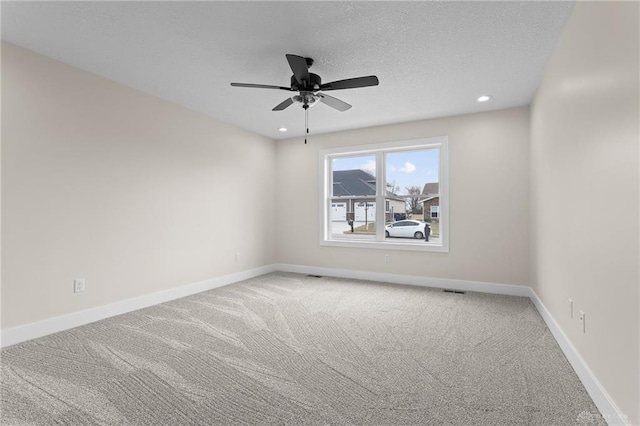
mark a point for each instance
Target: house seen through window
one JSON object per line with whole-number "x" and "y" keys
{"x": 386, "y": 195}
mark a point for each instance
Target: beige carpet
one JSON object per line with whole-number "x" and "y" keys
{"x": 291, "y": 349}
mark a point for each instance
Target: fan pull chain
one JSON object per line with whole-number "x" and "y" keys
{"x": 306, "y": 123}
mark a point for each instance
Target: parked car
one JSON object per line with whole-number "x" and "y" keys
{"x": 399, "y": 216}
{"x": 406, "y": 229}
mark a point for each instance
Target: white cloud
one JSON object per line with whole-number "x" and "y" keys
{"x": 408, "y": 168}
{"x": 369, "y": 166}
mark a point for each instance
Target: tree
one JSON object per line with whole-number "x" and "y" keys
{"x": 413, "y": 201}
{"x": 393, "y": 188}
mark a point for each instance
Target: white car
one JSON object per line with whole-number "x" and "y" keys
{"x": 406, "y": 229}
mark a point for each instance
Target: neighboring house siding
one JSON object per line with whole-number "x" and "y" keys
{"x": 397, "y": 206}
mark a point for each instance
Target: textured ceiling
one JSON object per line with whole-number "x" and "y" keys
{"x": 433, "y": 59}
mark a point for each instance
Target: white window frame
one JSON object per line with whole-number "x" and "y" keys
{"x": 379, "y": 149}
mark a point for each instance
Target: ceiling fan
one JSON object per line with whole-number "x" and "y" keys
{"x": 309, "y": 86}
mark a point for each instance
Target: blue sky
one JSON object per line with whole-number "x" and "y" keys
{"x": 406, "y": 168}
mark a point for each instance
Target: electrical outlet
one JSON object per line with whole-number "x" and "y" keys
{"x": 571, "y": 308}
{"x": 387, "y": 258}
{"x": 237, "y": 257}
{"x": 583, "y": 320}
{"x": 78, "y": 285}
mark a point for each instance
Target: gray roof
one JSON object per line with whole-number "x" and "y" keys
{"x": 431, "y": 188}
{"x": 350, "y": 183}
{"x": 353, "y": 182}
{"x": 430, "y": 191}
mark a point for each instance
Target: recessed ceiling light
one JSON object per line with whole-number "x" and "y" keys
{"x": 283, "y": 129}
{"x": 484, "y": 98}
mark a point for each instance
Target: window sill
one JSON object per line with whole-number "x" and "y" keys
{"x": 388, "y": 245}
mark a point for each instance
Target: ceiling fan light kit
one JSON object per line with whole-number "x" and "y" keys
{"x": 309, "y": 87}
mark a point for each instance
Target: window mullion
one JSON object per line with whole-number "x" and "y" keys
{"x": 328, "y": 193}
{"x": 381, "y": 184}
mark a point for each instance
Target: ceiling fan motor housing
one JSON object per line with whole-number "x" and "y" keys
{"x": 307, "y": 99}
{"x": 312, "y": 85}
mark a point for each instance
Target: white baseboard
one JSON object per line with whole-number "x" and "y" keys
{"x": 462, "y": 285}
{"x": 608, "y": 408}
{"x": 600, "y": 396}
{"x": 34, "y": 330}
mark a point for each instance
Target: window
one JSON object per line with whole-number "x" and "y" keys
{"x": 382, "y": 195}
{"x": 435, "y": 210}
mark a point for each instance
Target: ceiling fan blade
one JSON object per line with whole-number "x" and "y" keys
{"x": 351, "y": 83}
{"x": 299, "y": 67}
{"x": 334, "y": 102}
{"x": 282, "y": 105}
{"x": 260, "y": 86}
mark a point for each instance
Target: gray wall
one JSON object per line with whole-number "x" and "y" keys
{"x": 489, "y": 190}
{"x": 585, "y": 192}
{"x": 132, "y": 193}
